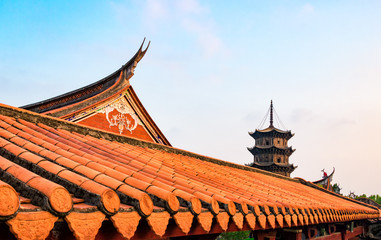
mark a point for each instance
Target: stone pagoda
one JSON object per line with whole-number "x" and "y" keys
{"x": 271, "y": 151}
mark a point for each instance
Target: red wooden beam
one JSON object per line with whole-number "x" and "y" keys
{"x": 356, "y": 232}
{"x": 344, "y": 235}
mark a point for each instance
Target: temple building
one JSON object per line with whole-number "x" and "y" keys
{"x": 92, "y": 164}
{"x": 271, "y": 151}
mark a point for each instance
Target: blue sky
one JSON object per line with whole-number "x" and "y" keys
{"x": 212, "y": 69}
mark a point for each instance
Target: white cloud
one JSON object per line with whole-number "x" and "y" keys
{"x": 307, "y": 10}
{"x": 188, "y": 15}
{"x": 210, "y": 43}
{"x": 157, "y": 9}
{"x": 190, "y": 6}
{"x": 195, "y": 20}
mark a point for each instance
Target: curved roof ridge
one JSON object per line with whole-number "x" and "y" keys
{"x": 90, "y": 90}
{"x": 325, "y": 178}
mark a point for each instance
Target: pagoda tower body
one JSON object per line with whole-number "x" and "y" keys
{"x": 271, "y": 151}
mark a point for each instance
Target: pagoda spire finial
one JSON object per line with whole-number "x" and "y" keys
{"x": 271, "y": 115}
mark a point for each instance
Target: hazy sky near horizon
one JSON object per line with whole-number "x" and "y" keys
{"x": 212, "y": 69}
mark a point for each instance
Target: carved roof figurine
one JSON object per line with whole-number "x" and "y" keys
{"x": 63, "y": 179}
{"x": 109, "y": 104}
{"x": 271, "y": 152}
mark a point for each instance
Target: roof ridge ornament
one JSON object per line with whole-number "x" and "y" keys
{"x": 129, "y": 69}
{"x": 141, "y": 52}
{"x": 271, "y": 115}
{"x": 277, "y": 125}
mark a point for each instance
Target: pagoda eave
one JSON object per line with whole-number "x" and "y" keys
{"x": 276, "y": 133}
{"x": 272, "y": 150}
{"x": 275, "y": 167}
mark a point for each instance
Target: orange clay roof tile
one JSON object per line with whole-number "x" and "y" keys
{"x": 21, "y": 142}
{"x": 51, "y": 167}
{"x": 72, "y": 177}
{"x": 116, "y": 174}
{"x": 79, "y": 159}
{"x": 136, "y": 183}
{"x": 48, "y": 154}
{"x": 96, "y": 166}
{"x": 108, "y": 181}
{"x": 15, "y": 150}
{"x": 5, "y": 164}
{"x": 49, "y": 146}
{"x": 85, "y": 171}
{"x": 66, "y": 162}
{"x": 20, "y": 173}
{"x": 3, "y": 142}
{"x": 33, "y": 147}
{"x": 109, "y": 165}
{"x": 30, "y": 157}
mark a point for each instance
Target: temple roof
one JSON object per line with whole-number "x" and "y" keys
{"x": 271, "y": 132}
{"x": 109, "y": 104}
{"x": 52, "y": 170}
{"x": 62, "y": 104}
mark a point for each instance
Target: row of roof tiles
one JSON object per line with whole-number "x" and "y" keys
{"x": 80, "y": 174}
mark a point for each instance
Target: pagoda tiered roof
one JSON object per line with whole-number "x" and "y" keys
{"x": 271, "y": 150}
{"x": 271, "y": 132}
{"x": 101, "y": 185}
{"x": 274, "y": 166}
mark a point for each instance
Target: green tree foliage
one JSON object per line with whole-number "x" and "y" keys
{"x": 244, "y": 235}
{"x": 376, "y": 198}
{"x": 336, "y": 188}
